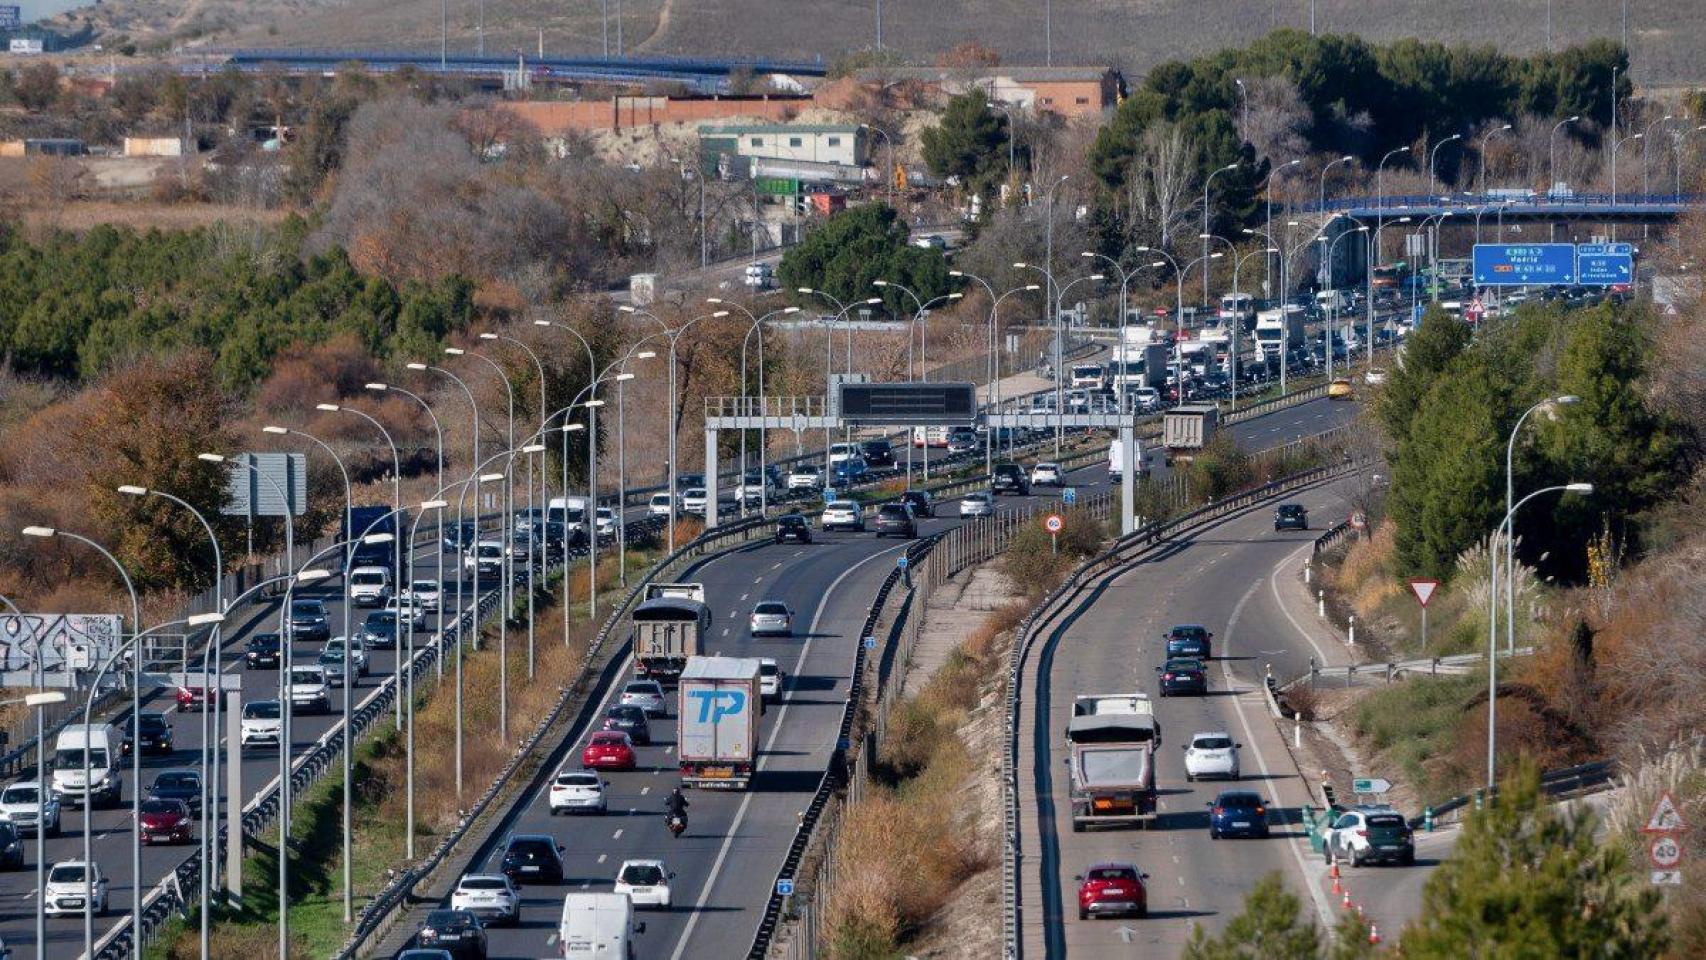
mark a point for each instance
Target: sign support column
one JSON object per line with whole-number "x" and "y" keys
{"x": 233, "y": 798}
{"x": 1128, "y": 482}
{"x": 711, "y": 504}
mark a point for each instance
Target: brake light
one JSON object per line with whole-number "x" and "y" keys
{"x": 1362, "y": 833}
{"x": 1219, "y": 810}
{"x": 1260, "y": 810}
{"x": 1166, "y": 676}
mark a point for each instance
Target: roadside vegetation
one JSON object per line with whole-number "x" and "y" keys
{"x": 919, "y": 834}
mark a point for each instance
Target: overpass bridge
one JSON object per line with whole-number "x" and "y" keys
{"x": 1604, "y": 207}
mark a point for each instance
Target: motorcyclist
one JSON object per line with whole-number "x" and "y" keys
{"x": 676, "y": 805}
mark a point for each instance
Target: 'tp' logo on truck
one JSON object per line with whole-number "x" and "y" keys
{"x": 714, "y": 705}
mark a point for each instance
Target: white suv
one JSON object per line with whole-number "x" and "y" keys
{"x": 577, "y": 791}
{"x": 309, "y": 691}
{"x": 18, "y": 806}
{"x": 370, "y": 586}
{"x": 843, "y": 515}
{"x": 489, "y": 896}
{"x": 263, "y": 724}
{"x": 1211, "y": 755}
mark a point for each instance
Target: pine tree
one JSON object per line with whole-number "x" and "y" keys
{"x": 1528, "y": 881}
{"x": 1270, "y": 927}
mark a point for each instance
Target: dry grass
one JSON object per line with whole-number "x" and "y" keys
{"x": 82, "y": 215}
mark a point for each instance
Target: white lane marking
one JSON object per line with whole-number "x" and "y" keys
{"x": 587, "y": 884}
{"x": 551, "y": 940}
{"x": 744, "y": 596}
{"x": 725, "y": 631}
{"x": 776, "y": 566}
{"x": 758, "y": 580}
{"x": 769, "y": 744}
{"x": 603, "y": 857}
{"x": 1322, "y": 907}
{"x": 645, "y": 790}
{"x": 618, "y": 834}
{"x": 1273, "y": 585}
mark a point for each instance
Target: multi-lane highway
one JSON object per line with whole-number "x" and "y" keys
{"x": 725, "y": 863}
{"x": 1227, "y": 576}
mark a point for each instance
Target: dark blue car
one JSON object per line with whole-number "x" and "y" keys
{"x": 1238, "y": 813}
{"x": 1183, "y": 675}
{"x": 1189, "y": 640}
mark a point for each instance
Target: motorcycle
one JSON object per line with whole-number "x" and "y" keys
{"x": 677, "y": 823}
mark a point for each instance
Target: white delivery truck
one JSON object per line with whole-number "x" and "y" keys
{"x": 597, "y": 926}
{"x": 1237, "y": 308}
{"x": 1279, "y": 331}
{"x": 669, "y": 626}
{"x": 96, "y": 744}
{"x": 717, "y": 722}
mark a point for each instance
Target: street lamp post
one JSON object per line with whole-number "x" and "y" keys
{"x": 1238, "y": 322}
{"x": 507, "y": 528}
{"x": 888, "y": 175}
{"x": 1204, "y": 236}
{"x": 1333, "y": 313}
{"x": 1380, "y": 188}
{"x": 135, "y": 755}
{"x": 535, "y": 516}
{"x": 1617, "y": 145}
{"x": 209, "y": 754}
{"x": 39, "y": 701}
{"x": 1552, "y": 151}
{"x": 1052, "y": 306}
{"x": 1268, "y": 193}
{"x": 995, "y": 325}
{"x": 1549, "y": 404}
{"x": 438, "y": 479}
{"x": 1481, "y": 154}
{"x": 1322, "y": 203}
{"x": 1493, "y": 629}
{"x": 1433, "y": 163}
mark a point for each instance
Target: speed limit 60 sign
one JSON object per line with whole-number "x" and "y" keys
{"x": 1055, "y": 523}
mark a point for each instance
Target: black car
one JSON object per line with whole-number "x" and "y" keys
{"x": 878, "y": 454}
{"x": 533, "y": 858}
{"x": 793, "y": 526}
{"x": 1291, "y": 516}
{"x": 1183, "y": 675}
{"x": 1189, "y": 640}
{"x": 182, "y": 785}
{"x": 1010, "y": 478}
{"x": 152, "y": 730}
{"x": 308, "y": 621}
{"x": 379, "y": 630}
{"x": 456, "y": 931}
{"x": 263, "y": 652}
{"x": 631, "y": 720}
{"x": 895, "y": 520}
{"x": 922, "y": 505}
{"x": 458, "y": 536}
{"x": 11, "y": 849}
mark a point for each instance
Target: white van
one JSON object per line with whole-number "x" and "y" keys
{"x": 598, "y": 926}
{"x": 1116, "y": 451}
{"x": 370, "y": 586}
{"x": 569, "y": 511}
{"x": 99, "y": 744}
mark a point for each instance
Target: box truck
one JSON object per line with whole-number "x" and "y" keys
{"x": 1112, "y": 765}
{"x": 1279, "y": 331}
{"x": 717, "y": 722}
{"x": 670, "y": 624}
{"x": 1187, "y": 429}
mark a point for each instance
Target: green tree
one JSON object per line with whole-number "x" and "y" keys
{"x": 1427, "y": 353}
{"x": 1448, "y": 473}
{"x": 1526, "y": 880}
{"x": 1272, "y": 927}
{"x": 970, "y": 143}
{"x": 847, "y": 253}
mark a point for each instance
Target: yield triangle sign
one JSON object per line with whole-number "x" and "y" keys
{"x": 1665, "y": 817}
{"x": 1424, "y": 589}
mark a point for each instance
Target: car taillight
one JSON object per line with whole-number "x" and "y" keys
{"x": 1219, "y": 810}
{"x": 1166, "y": 676}
{"x": 1261, "y": 810}
{"x": 1362, "y": 833}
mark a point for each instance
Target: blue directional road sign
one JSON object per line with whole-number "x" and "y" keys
{"x": 1522, "y": 264}
{"x": 1615, "y": 249}
{"x": 901, "y": 561}
{"x": 785, "y": 886}
{"x": 1604, "y": 269}
{"x": 1069, "y": 496}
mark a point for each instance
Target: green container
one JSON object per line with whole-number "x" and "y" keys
{"x": 777, "y": 186}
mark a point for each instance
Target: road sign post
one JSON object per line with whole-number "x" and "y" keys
{"x": 1054, "y": 524}
{"x": 1664, "y": 848}
{"x": 1069, "y": 496}
{"x": 1424, "y": 591}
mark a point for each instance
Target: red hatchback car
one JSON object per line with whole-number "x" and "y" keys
{"x": 1112, "y": 888}
{"x": 165, "y": 821}
{"x": 192, "y": 698}
{"x": 608, "y": 750}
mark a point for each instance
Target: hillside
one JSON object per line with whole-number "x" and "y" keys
{"x": 1131, "y": 34}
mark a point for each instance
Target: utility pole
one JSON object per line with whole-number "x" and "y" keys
{"x": 1048, "y": 32}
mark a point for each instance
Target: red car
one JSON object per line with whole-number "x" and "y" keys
{"x": 1110, "y": 888}
{"x": 165, "y": 821}
{"x": 608, "y": 750}
{"x": 192, "y": 698}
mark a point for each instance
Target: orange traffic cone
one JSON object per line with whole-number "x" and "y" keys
{"x": 1346, "y": 902}
{"x": 1338, "y": 888}
{"x": 1374, "y": 933}
{"x": 1333, "y": 869}
{"x": 1359, "y": 911}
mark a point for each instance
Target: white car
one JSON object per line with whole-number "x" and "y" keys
{"x": 844, "y": 451}
{"x": 769, "y": 678}
{"x": 1211, "y": 755}
{"x": 489, "y": 896}
{"x": 646, "y": 882}
{"x": 486, "y": 556}
{"x": 423, "y": 596}
{"x": 370, "y": 586}
{"x": 771, "y": 617}
{"x": 309, "y": 690}
{"x": 407, "y": 611}
{"x": 647, "y": 695}
{"x": 1146, "y": 399}
{"x": 1046, "y": 474}
{"x": 658, "y": 505}
{"x": 71, "y": 883}
{"x": 977, "y": 505}
{"x": 805, "y": 477}
{"x": 843, "y": 515}
{"x": 577, "y": 791}
{"x": 604, "y": 521}
{"x": 263, "y": 726}
{"x": 18, "y": 807}
{"x": 693, "y": 501}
